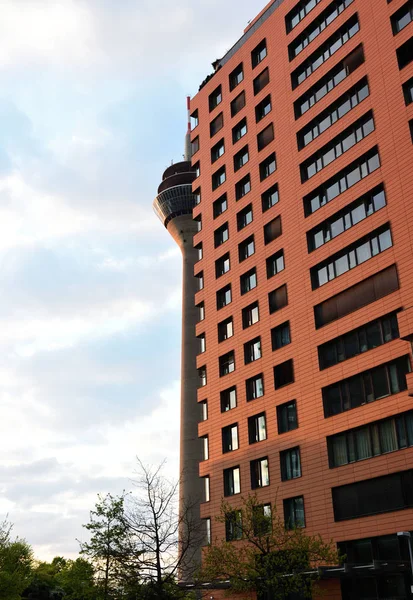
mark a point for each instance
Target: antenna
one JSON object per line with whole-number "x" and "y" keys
{"x": 187, "y": 154}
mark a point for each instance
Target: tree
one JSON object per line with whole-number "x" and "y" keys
{"x": 77, "y": 579}
{"x": 265, "y": 556}
{"x": 15, "y": 564}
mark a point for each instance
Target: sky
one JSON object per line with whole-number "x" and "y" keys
{"x": 92, "y": 110}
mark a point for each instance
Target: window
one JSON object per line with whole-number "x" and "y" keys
{"x": 384, "y": 547}
{"x": 207, "y": 523}
{"x": 248, "y": 281}
{"x": 275, "y": 264}
{"x": 232, "y": 484}
{"x": 252, "y": 350}
{"x": 261, "y": 81}
{"x": 230, "y": 438}
{"x": 260, "y": 476}
{"x": 287, "y": 416}
{"x": 262, "y": 520}
{"x": 218, "y": 178}
{"x": 205, "y": 447}
{"x": 233, "y": 526}
{"x": 378, "y": 286}
{"x": 242, "y": 187}
{"x": 373, "y": 439}
{"x": 297, "y": 14}
{"x": 294, "y": 512}
{"x": 241, "y": 158}
{"x": 268, "y": 166}
{"x": 216, "y": 125}
{"x": 195, "y": 145}
{"x": 196, "y": 168}
{"x": 280, "y": 336}
{"x": 355, "y": 342}
{"x": 290, "y": 463}
{"x": 411, "y": 129}
{"x": 198, "y": 248}
{"x": 201, "y": 343}
{"x": 222, "y": 265}
{"x": 350, "y": 257}
{"x": 217, "y": 151}
{"x": 224, "y": 296}
{"x": 272, "y": 230}
{"x": 225, "y": 330}
{"x": 333, "y": 113}
{"x": 405, "y": 53}
{"x": 235, "y": 77}
{"x": 283, "y": 374}
{"x": 408, "y": 91}
{"x": 206, "y": 497}
{"x": 265, "y": 137}
{"x": 221, "y": 235}
{"x": 257, "y": 431}
{"x": 215, "y": 98}
{"x": 194, "y": 120}
{"x": 263, "y": 108}
{"x": 255, "y": 387}
{"x": 204, "y": 410}
{"x": 368, "y": 386}
{"x": 226, "y": 363}
{"x": 317, "y": 26}
{"x": 237, "y": 104}
{"x": 277, "y": 299}
{"x": 197, "y": 196}
{"x": 239, "y": 130}
{"x": 331, "y": 80}
{"x": 325, "y": 51}
{"x": 246, "y": 248}
{"x": 220, "y": 206}
{"x": 373, "y": 496}
{"x": 269, "y": 198}
{"x": 259, "y": 53}
{"x": 402, "y": 17}
{"x": 202, "y": 376}
{"x": 228, "y": 399}
{"x": 201, "y": 311}
{"x": 250, "y": 315}
{"x": 342, "y": 181}
{"x": 347, "y": 218}
{"x": 345, "y": 140}
{"x": 200, "y": 281}
{"x": 198, "y": 222}
{"x": 244, "y": 217}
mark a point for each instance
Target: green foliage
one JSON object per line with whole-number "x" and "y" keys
{"x": 268, "y": 558}
{"x": 15, "y": 564}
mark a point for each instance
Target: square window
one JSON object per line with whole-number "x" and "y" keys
{"x": 222, "y": 265}
{"x": 255, "y": 387}
{"x": 260, "y": 476}
{"x": 233, "y": 526}
{"x": 226, "y": 363}
{"x": 244, "y": 217}
{"x": 252, "y": 351}
{"x": 242, "y": 187}
{"x": 261, "y": 81}
{"x": 246, "y": 248}
{"x": 237, "y": 104}
{"x": 225, "y": 330}
{"x": 235, "y": 77}
{"x": 294, "y": 512}
{"x": 287, "y": 416}
{"x": 263, "y": 108}
{"x": 269, "y": 198}
{"x": 241, "y": 158}
{"x": 275, "y": 264}
{"x": 257, "y": 430}
{"x": 272, "y": 230}
{"x": 232, "y": 481}
{"x": 278, "y": 298}
{"x": 224, "y": 296}
{"x": 216, "y": 125}
{"x": 228, "y": 399}
{"x": 229, "y": 438}
{"x": 290, "y": 462}
{"x": 250, "y": 315}
{"x": 280, "y": 336}
{"x": 259, "y": 53}
{"x": 218, "y": 178}
{"x": 221, "y": 235}
{"x": 265, "y": 137}
{"x": 217, "y": 151}
{"x": 283, "y": 374}
{"x": 268, "y": 166}
{"x": 239, "y": 130}
{"x": 215, "y": 98}
{"x": 220, "y": 206}
{"x": 248, "y": 281}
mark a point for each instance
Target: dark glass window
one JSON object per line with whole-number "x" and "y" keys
{"x": 199, "y": 248}
{"x": 239, "y": 130}
{"x": 275, "y": 264}
{"x": 290, "y": 463}
{"x": 241, "y": 158}
{"x": 226, "y": 363}
{"x": 328, "y": 15}
{"x": 194, "y": 145}
{"x": 408, "y": 91}
{"x": 232, "y": 481}
{"x": 269, "y": 198}
{"x": 233, "y": 526}
{"x": 215, "y": 98}
{"x": 342, "y": 181}
{"x": 325, "y": 51}
{"x": 346, "y": 218}
{"x": 246, "y": 248}
{"x": 272, "y": 230}
{"x": 263, "y": 108}
{"x": 230, "y": 438}
{"x": 294, "y": 512}
{"x": 248, "y": 281}
{"x": 222, "y": 265}
{"x": 201, "y": 311}
{"x": 262, "y": 520}
{"x": 261, "y": 81}
{"x": 201, "y": 343}
{"x": 216, "y": 125}
{"x": 221, "y": 235}
{"x": 217, "y": 151}
{"x": 224, "y": 296}
{"x": 333, "y": 113}
{"x": 225, "y": 330}
{"x": 260, "y": 476}
{"x": 265, "y": 137}
{"x": 194, "y": 119}
{"x": 252, "y": 350}
{"x": 242, "y": 187}
{"x": 254, "y": 387}
{"x": 345, "y": 140}
{"x": 402, "y": 17}
{"x": 228, "y": 399}
{"x": 259, "y": 53}
{"x": 237, "y": 104}
{"x": 218, "y": 178}
{"x": 405, "y": 53}
{"x": 257, "y": 431}
{"x": 280, "y": 336}
{"x": 283, "y": 374}
{"x": 200, "y": 280}
{"x": 204, "y": 410}
{"x": 287, "y": 416}
{"x": 202, "y": 376}
{"x": 327, "y": 83}
{"x": 197, "y": 196}
{"x": 368, "y": 386}
{"x": 235, "y": 77}
{"x": 297, "y": 14}
{"x": 369, "y": 336}
{"x": 268, "y": 166}
{"x": 244, "y": 217}
{"x": 250, "y": 315}
{"x": 350, "y": 257}
{"x": 278, "y": 298}
{"x": 220, "y": 206}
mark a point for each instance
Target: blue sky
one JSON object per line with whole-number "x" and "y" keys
{"x": 92, "y": 109}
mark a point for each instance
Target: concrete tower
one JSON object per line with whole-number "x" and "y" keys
{"x": 173, "y": 205}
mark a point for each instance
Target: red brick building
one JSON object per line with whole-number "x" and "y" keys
{"x": 302, "y": 145}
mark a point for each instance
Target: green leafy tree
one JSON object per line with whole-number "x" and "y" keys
{"x": 15, "y": 564}
{"x": 265, "y": 557}
{"x": 77, "y": 579}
